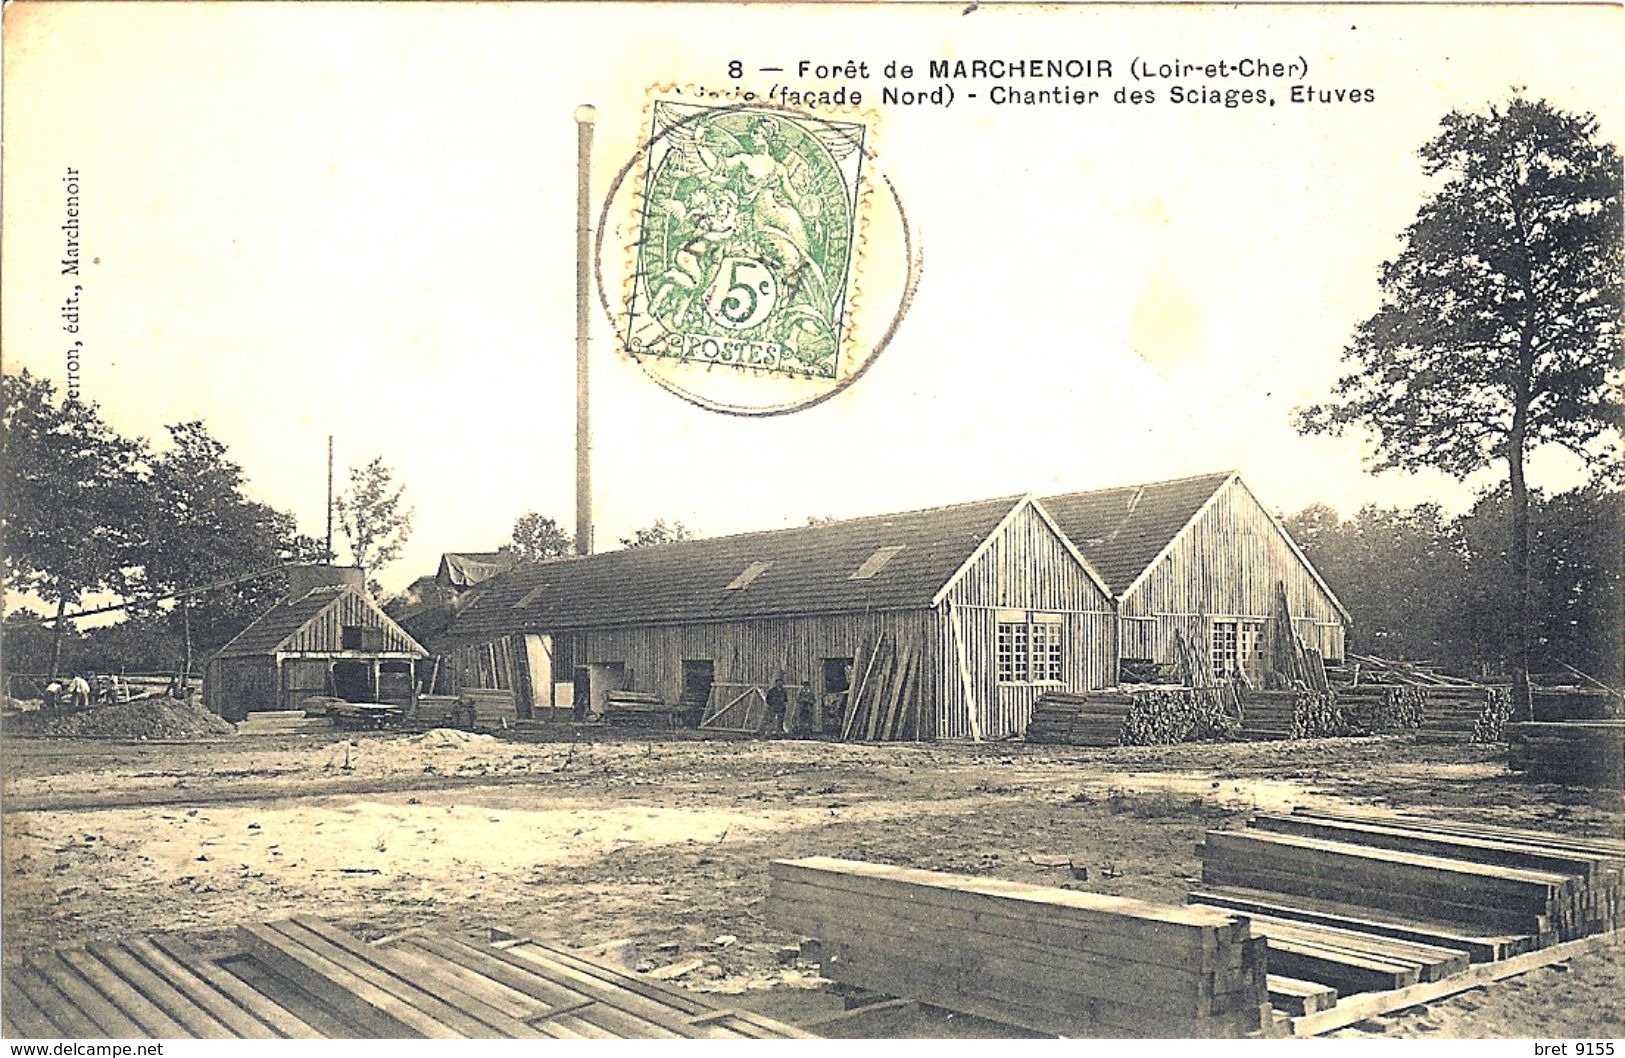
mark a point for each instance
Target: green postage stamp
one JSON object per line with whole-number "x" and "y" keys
{"x": 747, "y": 239}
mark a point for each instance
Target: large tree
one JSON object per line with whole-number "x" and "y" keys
{"x": 537, "y": 538}
{"x": 374, "y": 517}
{"x": 206, "y": 530}
{"x": 1499, "y": 329}
{"x": 75, "y": 499}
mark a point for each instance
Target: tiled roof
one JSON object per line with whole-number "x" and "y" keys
{"x": 807, "y": 570}
{"x": 1121, "y": 531}
{"x": 276, "y": 626}
{"x": 268, "y": 630}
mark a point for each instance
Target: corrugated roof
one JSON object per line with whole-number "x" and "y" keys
{"x": 810, "y": 571}
{"x": 1122, "y": 530}
{"x": 464, "y": 569}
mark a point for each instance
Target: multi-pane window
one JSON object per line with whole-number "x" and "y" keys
{"x": 1225, "y": 656}
{"x": 1030, "y": 648}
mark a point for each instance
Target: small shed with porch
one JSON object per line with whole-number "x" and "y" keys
{"x": 327, "y": 637}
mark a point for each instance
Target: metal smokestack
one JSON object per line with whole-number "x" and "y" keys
{"x": 585, "y": 116}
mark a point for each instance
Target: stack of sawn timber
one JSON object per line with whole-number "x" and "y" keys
{"x": 1268, "y": 714}
{"x": 1376, "y": 708}
{"x": 1050, "y": 960}
{"x": 1065, "y": 718}
{"x": 1575, "y": 703}
{"x": 638, "y": 709}
{"x": 1574, "y": 752}
{"x": 1527, "y": 889}
{"x": 1452, "y": 714}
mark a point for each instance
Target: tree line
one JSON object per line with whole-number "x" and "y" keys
{"x": 1425, "y": 586}
{"x": 89, "y": 512}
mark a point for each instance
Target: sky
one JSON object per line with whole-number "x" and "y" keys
{"x": 358, "y": 220}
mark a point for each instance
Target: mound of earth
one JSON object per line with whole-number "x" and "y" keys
{"x": 142, "y": 719}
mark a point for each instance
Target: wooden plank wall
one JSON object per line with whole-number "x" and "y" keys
{"x": 1026, "y": 567}
{"x": 324, "y": 632}
{"x": 754, "y": 651}
{"x": 1227, "y": 565}
{"x": 235, "y": 687}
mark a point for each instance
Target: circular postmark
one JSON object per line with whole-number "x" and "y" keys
{"x": 765, "y": 264}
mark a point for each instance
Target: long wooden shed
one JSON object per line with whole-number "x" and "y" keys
{"x": 990, "y": 601}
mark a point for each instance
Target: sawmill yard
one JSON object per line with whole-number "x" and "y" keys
{"x": 653, "y": 853}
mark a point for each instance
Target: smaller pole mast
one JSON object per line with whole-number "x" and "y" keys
{"x": 329, "y": 499}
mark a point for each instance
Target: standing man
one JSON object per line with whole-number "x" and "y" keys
{"x": 801, "y": 721}
{"x": 777, "y": 701}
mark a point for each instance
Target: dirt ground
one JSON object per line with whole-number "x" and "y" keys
{"x": 655, "y": 852}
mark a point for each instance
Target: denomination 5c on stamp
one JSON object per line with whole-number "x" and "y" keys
{"x": 748, "y": 231}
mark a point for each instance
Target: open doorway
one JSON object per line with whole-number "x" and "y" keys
{"x": 698, "y": 676}
{"x": 836, "y": 686}
{"x": 352, "y": 681}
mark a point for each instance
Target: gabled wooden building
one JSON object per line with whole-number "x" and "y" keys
{"x": 1203, "y": 557}
{"x": 989, "y": 600}
{"x": 327, "y": 637}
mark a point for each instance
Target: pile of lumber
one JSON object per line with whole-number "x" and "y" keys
{"x": 1378, "y": 708}
{"x": 1368, "y": 668}
{"x": 302, "y": 978}
{"x": 1574, "y": 752}
{"x": 1575, "y": 703}
{"x": 1065, "y": 718}
{"x": 1050, "y": 960}
{"x": 1299, "y": 713}
{"x": 1487, "y": 883}
{"x": 885, "y": 700}
{"x": 625, "y": 708}
{"x": 1268, "y": 714}
{"x": 1456, "y": 714}
{"x": 492, "y": 707}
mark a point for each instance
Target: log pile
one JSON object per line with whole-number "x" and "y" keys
{"x": 1484, "y": 882}
{"x": 1575, "y": 752}
{"x": 1064, "y": 718}
{"x": 1051, "y": 960}
{"x": 1164, "y": 715}
{"x": 1492, "y": 722}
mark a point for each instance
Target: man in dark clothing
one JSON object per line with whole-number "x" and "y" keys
{"x": 801, "y": 721}
{"x": 778, "y": 699}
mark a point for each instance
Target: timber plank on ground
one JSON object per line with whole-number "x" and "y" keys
{"x": 278, "y": 1018}
{"x": 1252, "y": 902}
{"x": 197, "y": 1021}
{"x": 1051, "y": 960}
{"x": 1297, "y": 997}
